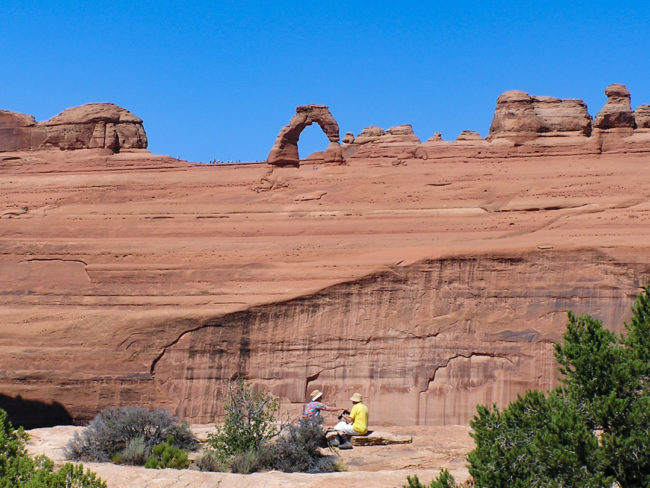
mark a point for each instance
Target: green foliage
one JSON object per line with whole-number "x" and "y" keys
{"x": 112, "y": 430}
{"x": 19, "y": 470}
{"x": 537, "y": 441}
{"x": 444, "y": 480}
{"x": 165, "y": 455}
{"x": 250, "y": 421}
{"x": 550, "y": 440}
{"x": 297, "y": 449}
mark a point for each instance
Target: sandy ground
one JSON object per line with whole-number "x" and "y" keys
{"x": 378, "y": 466}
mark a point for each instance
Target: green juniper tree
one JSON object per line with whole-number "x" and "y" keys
{"x": 591, "y": 431}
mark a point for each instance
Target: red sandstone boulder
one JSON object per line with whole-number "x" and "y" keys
{"x": 469, "y": 135}
{"x": 285, "y": 148}
{"x": 617, "y": 112}
{"x": 436, "y": 137}
{"x": 18, "y": 131}
{"x": 349, "y": 138}
{"x": 94, "y": 125}
{"x": 399, "y": 134}
{"x": 642, "y": 117}
{"x": 520, "y": 117}
{"x": 369, "y": 134}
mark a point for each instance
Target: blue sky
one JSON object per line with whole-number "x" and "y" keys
{"x": 217, "y": 80}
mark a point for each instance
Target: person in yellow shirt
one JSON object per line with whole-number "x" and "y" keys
{"x": 356, "y": 423}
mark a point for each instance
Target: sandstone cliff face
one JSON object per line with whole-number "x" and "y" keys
{"x": 429, "y": 285}
{"x": 90, "y": 126}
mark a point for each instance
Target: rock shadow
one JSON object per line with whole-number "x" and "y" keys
{"x": 32, "y": 414}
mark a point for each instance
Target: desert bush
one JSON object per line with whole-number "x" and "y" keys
{"x": 297, "y": 449}
{"x": 113, "y": 428}
{"x": 444, "y": 480}
{"x": 208, "y": 461}
{"x": 166, "y": 455}
{"x": 136, "y": 452}
{"x": 19, "y": 470}
{"x": 250, "y": 421}
{"x": 246, "y": 462}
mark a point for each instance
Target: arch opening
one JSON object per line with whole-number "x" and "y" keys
{"x": 312, "y": 141}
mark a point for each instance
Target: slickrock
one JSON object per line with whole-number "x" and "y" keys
{"x": 285, "y": 148}
{"x": 617, "y": 112}
{"x": 379, "y": 466}
{"x": 90, "y": 126}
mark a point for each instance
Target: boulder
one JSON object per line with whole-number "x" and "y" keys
{"x": 436, "y": 137}
{"x": 469, "y": 135}
{"x": 94, "y": 125}
{"x": 617, "y": 112}
{"x": 376, "y": 438}
{"x": 18, "y": 132}
{"x": 349, "y": 138}
{"x": 285, "y": 147}
{"x": 520, "y": 117}
{"x": 558, "y": 115}
{"x": 642, "y": 117}
{"x": 399, "y": 134}
{"x": 369, "y": 134}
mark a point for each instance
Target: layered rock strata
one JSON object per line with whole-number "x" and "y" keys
{"x": 285, "y": 149}
{"x": 131, "y": 279}
{"x": 90, "y": 126}
{"x": 524, "y": 125}
{"x": 520, "y": 117}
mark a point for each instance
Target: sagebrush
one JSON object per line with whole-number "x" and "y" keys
{"x": 124, "y": 431}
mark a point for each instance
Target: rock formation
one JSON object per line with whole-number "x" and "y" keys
{"x": 90, "y": 126}
{"x": 617, "y": 112}
{"x": 285, "y": 149}
{"x": 521, "y": 117}
{"x": 349, "y": 138}
{"x": 369, "y": 134}
{"x": 430, "y": 277}
{"x": 469, "y": 135}
{"x": 642, "y": 117}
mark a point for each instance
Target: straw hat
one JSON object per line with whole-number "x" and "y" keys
{"x": 356, "y": 398}
{"x": 315, "y": 395}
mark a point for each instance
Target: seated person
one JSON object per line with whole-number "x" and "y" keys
{"x": 354, "y": 424}
{"x": 316, "y": 405}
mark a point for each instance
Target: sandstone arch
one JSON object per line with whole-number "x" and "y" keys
{"x": 285, "y": 148}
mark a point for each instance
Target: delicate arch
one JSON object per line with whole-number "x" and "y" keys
{"x": 285, "y": 148}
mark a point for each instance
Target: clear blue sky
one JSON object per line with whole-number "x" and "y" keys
{"x": 219, "y": 79}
